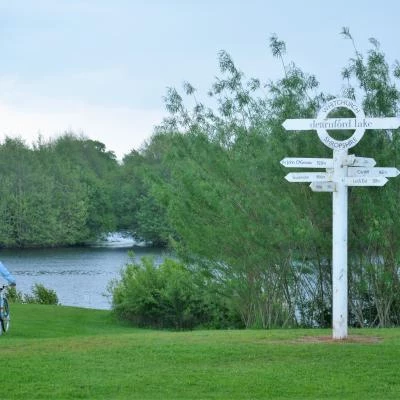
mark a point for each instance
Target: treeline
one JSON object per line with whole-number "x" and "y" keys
{"x": 69, "y": 191}
{"x": 214, "y": 174}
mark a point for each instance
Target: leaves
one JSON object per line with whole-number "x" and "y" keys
{"x": 232, "y": 212}
{"x": 278, "y": 47}
{"x": 55, "y": 194}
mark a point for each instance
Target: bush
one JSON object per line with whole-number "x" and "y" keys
{"x": 166, "y": 296}
{"x": 14, "y": 296}
{"x": 41, "y": 295}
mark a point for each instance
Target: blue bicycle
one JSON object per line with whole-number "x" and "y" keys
{"x": 4, "y": 310}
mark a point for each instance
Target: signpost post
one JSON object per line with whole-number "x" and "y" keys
{"x": 348, "y": 170}
{"x": 339, "y": 246}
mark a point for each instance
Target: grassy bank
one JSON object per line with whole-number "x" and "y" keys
{"x": 68, "y": 353}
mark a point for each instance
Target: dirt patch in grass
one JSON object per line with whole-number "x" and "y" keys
{"x": 350, "y": 339}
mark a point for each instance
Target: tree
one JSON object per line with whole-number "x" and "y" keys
{"x": 375, "y": 230}
{"x": 58, "y": 193}
{"x": 267, "y": 241}
{"x": 223, "y": 189}
{"x": 139, "y": 212}
{"x": 94, "y": 169}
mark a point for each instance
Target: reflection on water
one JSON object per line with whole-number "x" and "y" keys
{"x": 78, "y": 275}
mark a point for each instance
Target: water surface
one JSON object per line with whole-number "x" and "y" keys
{"x": 78, "y": 275}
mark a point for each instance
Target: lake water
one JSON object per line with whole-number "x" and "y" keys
{"x": 78, "y": 275}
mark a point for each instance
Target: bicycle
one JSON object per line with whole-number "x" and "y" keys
{"x": 4, "y": 310}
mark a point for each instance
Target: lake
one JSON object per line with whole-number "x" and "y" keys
{"x": 79, "y": 275}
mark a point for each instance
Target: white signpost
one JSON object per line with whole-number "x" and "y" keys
{"x": 342, "y": 170}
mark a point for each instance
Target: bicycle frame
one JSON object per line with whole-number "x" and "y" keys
{"x": 4, "y": 310}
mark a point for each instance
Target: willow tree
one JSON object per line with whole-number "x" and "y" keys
{"x": 375, "y": 229}
{"x": 268, "y": 242}
{"x": 224, "y": 190}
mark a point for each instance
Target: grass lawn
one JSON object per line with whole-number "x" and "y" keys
{"x": 70, "y": 353}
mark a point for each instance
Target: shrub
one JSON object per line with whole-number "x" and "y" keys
{"x": 14, "y": 296}
{"x": 41, "y": 295}
{"x": 166, "y": 296}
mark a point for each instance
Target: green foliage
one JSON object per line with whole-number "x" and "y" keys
{"x": 222, "y": 190}
{"x": 375, "y": 231}
{"x": 265, "y": 241}
{"x": 14, "y": 296}
{"x": 41, "y": 295}
{"x": 58, "y": 193}
{"x": 168, "y": 295}
{"x": 137, "y": 210}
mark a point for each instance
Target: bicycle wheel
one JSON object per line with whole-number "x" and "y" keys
{"x": 5, "y": 319}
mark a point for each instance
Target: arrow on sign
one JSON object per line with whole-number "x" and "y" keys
{"x": 308, "y": 177}
{"x": 307, "y": 162}
{"x": 372, "y": 172}
{"x": 323, "y": 186}
{"x": 341, "y": 123}
{"x": 354, "y": 161}
{"x": 354, "y": 181}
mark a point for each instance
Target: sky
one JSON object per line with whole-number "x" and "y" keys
{"x": 101, "y": 68}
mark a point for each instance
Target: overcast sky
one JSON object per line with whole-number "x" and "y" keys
{"x": 101, "y": 67}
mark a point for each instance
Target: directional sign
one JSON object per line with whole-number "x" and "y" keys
{"x": 307, "y": 162}
{"x": 359, "y": 124}
{"x": 308, "y": 177}
{"x": 372, "y": 172}
{"x": 355, "y": 181}
{"x": 341, "y": 123}
{"x": 354, "y": 161}
{"x": 323, "y": 186}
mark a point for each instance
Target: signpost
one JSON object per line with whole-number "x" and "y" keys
{"x": 342, "y": 170}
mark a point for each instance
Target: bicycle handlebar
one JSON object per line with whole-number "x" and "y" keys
{"x": 4, "y": 285}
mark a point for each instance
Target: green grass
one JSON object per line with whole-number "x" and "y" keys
{"x": 70, "y": 353}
